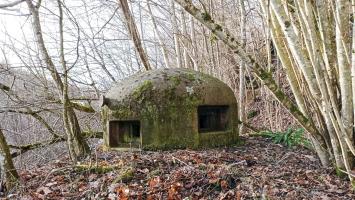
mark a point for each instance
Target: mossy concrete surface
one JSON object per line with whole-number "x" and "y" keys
{"x": 165, "y": 102}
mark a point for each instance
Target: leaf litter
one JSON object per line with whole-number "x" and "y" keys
{"x": 259, "y": 169}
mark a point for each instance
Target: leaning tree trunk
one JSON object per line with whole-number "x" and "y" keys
{"x": 343, "y": 51}
{"x": 291, "y": 73}
{"x": 308, "y": 37}
{"x": 76, "y": 143}
{"x": 261, "y": 73}
{"x": 353, "y": 60}
{"x": 78, "y": 147}
{"x": 8, "y": 173}
{"x": 133, "y": 32}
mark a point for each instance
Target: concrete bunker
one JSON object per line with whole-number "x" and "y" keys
{"x": 124, "y": 132}
{"x": 212, "y": 118}
{"x": 169, "y": 108}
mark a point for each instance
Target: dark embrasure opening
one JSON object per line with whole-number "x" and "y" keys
{"x": 123, "y": 132}
{"x": 212, "y": 118}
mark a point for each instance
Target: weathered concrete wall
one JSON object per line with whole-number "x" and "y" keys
{"x": 165, "y": 102}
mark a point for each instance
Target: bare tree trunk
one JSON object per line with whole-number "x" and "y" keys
{"x": 77, "y": 145}
{"x": 317, "y": 42}
{"x": 193, "y": 43}
{"x": 133, "y": 32}
{"x": 287, "y": 63}
{"x": 8, "y": 172}
{"x": 242, "y": 67}
{"x": 175, "y": 34}
{"x": 343, "y": 50}
{"x": 156, "y": 31}
{"x": 353, "y": 60}
{"x": 185, "y": 43}
{"x": 262, "y": 74}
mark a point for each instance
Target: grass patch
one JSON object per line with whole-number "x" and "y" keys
{"x": 291, "y": 137}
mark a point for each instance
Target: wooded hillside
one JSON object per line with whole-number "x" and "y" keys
{"x": 290, "y": 65}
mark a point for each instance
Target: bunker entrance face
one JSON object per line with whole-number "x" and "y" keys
{"x": 212, "y": 118}
{"x": 124, "y": 133}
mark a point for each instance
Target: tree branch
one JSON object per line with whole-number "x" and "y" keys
{"x": 4, "y": 87}
{"x": 6, "y": 5}
{"x": 79, "y": 106}
{"x": 76, "y": 105}
{"x": 265, "y": 77}
{"x": 55, "y": 139}
{"x": 20, "y": 111}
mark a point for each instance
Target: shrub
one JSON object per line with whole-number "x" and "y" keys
{"x": 291, "y": 137}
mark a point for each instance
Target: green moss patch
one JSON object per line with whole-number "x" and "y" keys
{"x": 165, "y": 102}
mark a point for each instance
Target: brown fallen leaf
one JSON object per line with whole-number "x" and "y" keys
{"x": 122, "y": 193}
{"x": 224, "y": 185}
{"x": 44, "y": 190}
{"x": 173, "y": 193}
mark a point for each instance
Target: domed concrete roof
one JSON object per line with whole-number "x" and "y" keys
{"x": 172, "y": 108}
{"x": 160, "y": 85}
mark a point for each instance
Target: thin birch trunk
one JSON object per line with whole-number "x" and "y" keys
{"x": 133, "y": 32}
{"x": 353, "y": 60}
{"x": 312, "y": 40}
{"x": 295, "y": 47}
{"x": 156, "y": 31}
{"x": 286, "y": 61}
{"x": 315, "y": 48}
{"x": 78, "y": 147}
{"x": 175, "y": 34}
{"x": 185, "y": 38}
{"x": 343, "y": 49}
{"x": 193, "y": 42}
{"x": 263, "y": 75}
{"x": 342, "y": 14}
{"x": 242, "y": 67}
{"x": 207, "y": 51}
{"x": 213, "y": 59}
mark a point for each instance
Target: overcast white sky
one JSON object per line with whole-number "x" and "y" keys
{"x": 12, "y": 21}
{"x": 113, "y": 41}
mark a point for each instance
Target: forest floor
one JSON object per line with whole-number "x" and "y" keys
{"x": 259, "y": 169}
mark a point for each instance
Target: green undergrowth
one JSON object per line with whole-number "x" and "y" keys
{"x": 289, "y": 138}
{"x": 341, "y": 173}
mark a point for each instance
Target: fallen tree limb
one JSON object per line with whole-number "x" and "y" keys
{"x": 24, "y": 148}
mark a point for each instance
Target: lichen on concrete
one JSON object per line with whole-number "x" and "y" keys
{"x": 165, "y": 102}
